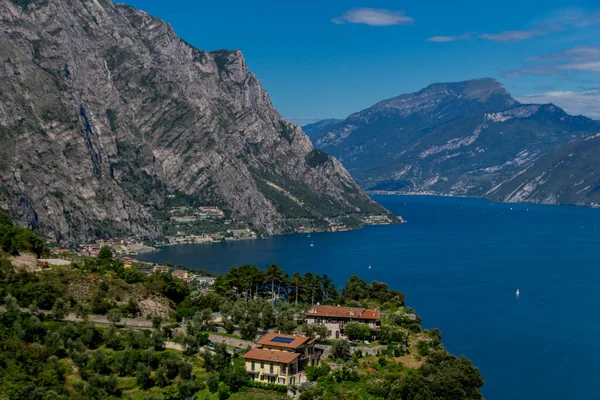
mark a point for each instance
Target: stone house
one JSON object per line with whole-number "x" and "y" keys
{"x": 335, "y": 317}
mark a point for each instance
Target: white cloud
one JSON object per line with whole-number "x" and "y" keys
{"x": 574, "y": 59}
{"x": 575, "y": 103}
{"x": 445, "y": 39}
{"x": 577, "y": 17}
{"x": 578, "y": 53}
{"x": 373, "y": 17}
{"x": 557, "y": 21}
{"x": 513, "y": 36}
{"x": 593, "y": 66}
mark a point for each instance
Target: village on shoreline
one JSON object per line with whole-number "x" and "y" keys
{"x": 198, "y": 225}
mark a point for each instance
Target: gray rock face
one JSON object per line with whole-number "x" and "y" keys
{"x": 570, "y": 175}
{"x": 462, "y": 138}
{"x": 105, "y": 112}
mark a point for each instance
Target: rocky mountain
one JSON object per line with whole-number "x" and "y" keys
{"x": 463, "y": 138}
{"x": 106, "y": 113}
{"x": 315, "y": 127}
{"x": 570, "y": 175}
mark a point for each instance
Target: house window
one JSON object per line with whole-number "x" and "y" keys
{"x": 272, "y": 379}
{"x": 271, "y": 368}
{"x": 292, "y": 380}
{"x": 262, "y": 377}
{"x": 328, "y": 333}
{"x": 252, "y": 366}
{"x": 283, "y": 369}
{"x": 262, "y": 365}
{"x": 337, "y": 334}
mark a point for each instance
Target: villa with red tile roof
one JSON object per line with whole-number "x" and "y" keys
{"x": 281, "y": 359}
{"x": 334, "y": 318}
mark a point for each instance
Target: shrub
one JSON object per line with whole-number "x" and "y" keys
{"x": 314, "y": 373}
{"x": 223, "y": 391}
{"x": 212, "y": 381}
{"x": 423, "y": 348}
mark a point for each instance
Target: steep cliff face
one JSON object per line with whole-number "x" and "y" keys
{"x": 105, "y": 112}
{"x": 461, "y": 138}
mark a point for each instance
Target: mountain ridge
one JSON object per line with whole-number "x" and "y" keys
{"x": 456, "y": 138}
{"x": 107, "y": 113}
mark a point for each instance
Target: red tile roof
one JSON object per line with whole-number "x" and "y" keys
{"x": 295, "y": 341}
{"x": 282, "y": 357}
{"x": 342, "y": 312}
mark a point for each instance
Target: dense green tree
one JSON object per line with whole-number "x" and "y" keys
{"x": 82, "y": 311}
{"x": 212, "y": 381}
{"x": 357, "y": 331}
{"x": 157, "y": 338}
{"x": 132, "y": 308}
{"x": 195, "y": 337}
{"x": 14, "y": 239}
{"x": 275, "y": 276}
{"x": 355, "y": 289}
{"x": 315, "y": 331}
{"x": 391, "y": 333}
{"x": 330, "y": 294}
{"x": 312, "y": 287}
{"x": 161, "y": 377}
{"x": 296, "y": 282}
{"x": 105, "y": 254}
{"x": 114, "y": 316}
{"x": 236, "y": 376}
{"x": 112, "y": 337}
{"x": 228, "y": 325}
{"x": 100, "y": 363}
{"x": 248, "y": 330}
{"x": 340, "y": 350}
{"x": 285, "y": 321}
{"x": 185, "y": 370}
{"x": 60, "y": 309}
{"x": 156, "y": 321}
{"x": 142, "y": 376}
{"x": 54, "y": 344}
{"x": 267, "y": 317}
{"x": 168, "y": 285}
{"x": 187, "y": 387}
{"x": 223, "y": 391}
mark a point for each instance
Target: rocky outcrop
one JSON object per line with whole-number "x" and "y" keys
{"x": 105, "y": 112}
{"x": 462, "y": 138}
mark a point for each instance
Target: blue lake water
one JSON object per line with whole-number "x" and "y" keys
{"x": 460, "y": 261}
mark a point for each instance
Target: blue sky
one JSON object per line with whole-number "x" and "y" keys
{"x": 321, "y": 59}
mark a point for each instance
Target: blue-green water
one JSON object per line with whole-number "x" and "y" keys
{"x": 459, "y": 262}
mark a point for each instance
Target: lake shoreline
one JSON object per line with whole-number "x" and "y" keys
{"x": 470, "y": 254}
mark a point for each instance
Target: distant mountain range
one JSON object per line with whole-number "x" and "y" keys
{"x": 569, "y": 175}
{"x": 316, "y": 127}
{"x": 467, "y": 138}
{"x": 106, "y": 116}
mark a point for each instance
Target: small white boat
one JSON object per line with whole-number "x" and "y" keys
{"x": 369, "y": 267}
{"x": 518, "y": 293}
{"x": 312, "y": 245}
